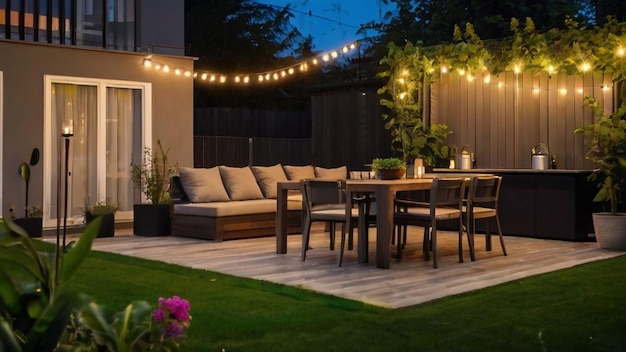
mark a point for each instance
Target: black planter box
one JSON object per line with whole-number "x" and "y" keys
{"x": 107, "y": 226}
{"x": 32, "y": 226}
{"x": 152, "y": 220}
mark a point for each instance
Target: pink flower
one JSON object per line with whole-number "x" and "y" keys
{"x": 173, "y": 330}
{"x": 177, "y": 307}
{"x": 158, "y": 315}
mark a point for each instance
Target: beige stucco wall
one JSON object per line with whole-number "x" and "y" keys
{"x": 24, "y": 66}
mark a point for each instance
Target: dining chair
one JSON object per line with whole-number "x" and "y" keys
{"x": 482, "y": 203}
{"x": 324, "y": 201}
{"x": 445, "y": 203}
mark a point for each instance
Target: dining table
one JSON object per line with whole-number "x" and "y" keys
{"x": 384, "y": 192}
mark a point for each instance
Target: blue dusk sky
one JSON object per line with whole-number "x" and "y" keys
{"x": 332, "y": 23}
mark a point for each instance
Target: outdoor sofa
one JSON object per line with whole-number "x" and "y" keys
{"x": 224, "y": 202}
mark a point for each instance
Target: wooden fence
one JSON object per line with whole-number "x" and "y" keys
{"x": 502, "y": 118}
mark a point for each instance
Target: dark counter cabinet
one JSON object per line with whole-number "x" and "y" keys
{"x": 550, "y": 204}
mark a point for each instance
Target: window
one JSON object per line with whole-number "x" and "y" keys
{"x": 110, "y": 130}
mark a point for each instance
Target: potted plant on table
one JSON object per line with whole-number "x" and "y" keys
{"x": 32, "y": 221}
{"x": 606, "y": 142}
{"x": 105, "y": 209}
{"x": 389, "y": 168}
{"x": 152, "y": 178}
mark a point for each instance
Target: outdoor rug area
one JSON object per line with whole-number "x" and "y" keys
{"x": 409, "y": 282}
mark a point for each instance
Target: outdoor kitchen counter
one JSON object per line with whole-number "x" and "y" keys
{"x": 552, "y": 204}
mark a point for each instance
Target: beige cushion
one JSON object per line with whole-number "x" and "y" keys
{"x": 203, "y": 185}
{"x": 297, "y": 173}
{"x": 339, "y": 173}
{"x": 267, "y": 178}
{"x": 240, "y": 183}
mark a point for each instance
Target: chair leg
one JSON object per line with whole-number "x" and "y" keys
{"x": 471, "y": 231}
{"x": 500, "y": 234}
{"x": 343, "y": 239}
{"x": 306, "y": 234}
{"x": 460, "y": 240}
{"x": 342, "y": 245}
{"x": 433, "y": 242}
{"x": 488, "y": 247}
{"x": 398, "y": 234}
{"x": 426, "y": 244}
{"x": 332, "y": 235}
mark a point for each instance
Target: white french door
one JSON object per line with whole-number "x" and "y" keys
{"x": 111, "y": 128}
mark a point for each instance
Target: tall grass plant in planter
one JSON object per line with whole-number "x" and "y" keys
{"x": 606, "y": 142}
{"x": 152, "y": 178}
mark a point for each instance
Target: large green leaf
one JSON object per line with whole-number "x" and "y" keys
{"x": 77, "y": 254}
{"x": 94, "y": 318}
{"x": 52, "y": 324}
{"x": 8, "y": 341}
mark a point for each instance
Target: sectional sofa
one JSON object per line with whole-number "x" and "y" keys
{"x": 224, "y": 202}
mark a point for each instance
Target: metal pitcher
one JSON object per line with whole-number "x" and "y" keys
{"x": 466, "y": 157}
{"x": 540, "y": 157}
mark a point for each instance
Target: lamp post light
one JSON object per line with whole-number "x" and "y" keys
{"x": 67, "y": 132}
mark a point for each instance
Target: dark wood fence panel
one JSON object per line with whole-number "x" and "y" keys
{"x": 241, "y": 151}
{"x": 503, "y": 117}
{"x": 348, "y": 128}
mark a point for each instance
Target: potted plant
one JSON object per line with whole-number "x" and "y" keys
{"x": 152, "y": 178}
{"x": 107, "y": 211}
{"x": 32, "y": 220}
{"x": 389, "y": 168}
{"x": 606, "y": 142}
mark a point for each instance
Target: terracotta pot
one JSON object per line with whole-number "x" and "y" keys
{"x": 385, "y": 174}
{"x": 610, "y": 230}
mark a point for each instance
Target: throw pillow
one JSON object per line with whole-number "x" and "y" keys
{"x": 297, "y": 173}
{"x": 240, "y": 183}
{"x": 267, "y": 178}
{"x": 203, "y": 185}
{"x": 339, "y": 173}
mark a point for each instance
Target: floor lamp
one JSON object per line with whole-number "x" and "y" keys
{"x": 67, "y": 133}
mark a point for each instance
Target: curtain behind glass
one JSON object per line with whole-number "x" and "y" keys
{"x": 78, "y": 103}
{"x": 121, "y": 110}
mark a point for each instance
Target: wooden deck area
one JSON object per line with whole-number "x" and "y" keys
{"x": 410, "y": 282}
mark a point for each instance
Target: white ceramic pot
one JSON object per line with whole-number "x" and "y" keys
{"x": 610, "y": 230}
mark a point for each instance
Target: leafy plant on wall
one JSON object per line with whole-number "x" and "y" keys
{"x": 411, "y": 68}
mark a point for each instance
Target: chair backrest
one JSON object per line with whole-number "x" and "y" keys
{"x": 321, "y": 191}
{"x": 447, "y": 192}
{"x": 360, "y": 175}
{"x": 485, "y": 190}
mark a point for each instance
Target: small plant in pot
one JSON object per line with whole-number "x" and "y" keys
{"x": 152, "y": 177}
{"x": 32, "y": 220}
{"x": 107, "y": 211}
{"x": 389, "y": 168}
{"x": 606, "y": 142}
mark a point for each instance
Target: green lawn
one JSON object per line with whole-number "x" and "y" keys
{"x": 577, "y": 309}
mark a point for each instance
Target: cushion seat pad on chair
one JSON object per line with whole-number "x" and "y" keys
{"x": 440, "y": 213}
{"x": 480, "y": 211}
{"x": 333, "y": 213}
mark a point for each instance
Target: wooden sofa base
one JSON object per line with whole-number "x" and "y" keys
{"x": 232, "y": 227}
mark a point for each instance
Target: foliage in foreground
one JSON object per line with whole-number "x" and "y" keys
{"x": 577, "y": 309}
{"x": 40, "y": 312}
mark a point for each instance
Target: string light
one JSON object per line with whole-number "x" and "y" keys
{"x": 261, "y": 77}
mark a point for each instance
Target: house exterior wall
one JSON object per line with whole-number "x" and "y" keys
{"x": 24, "y": 66}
